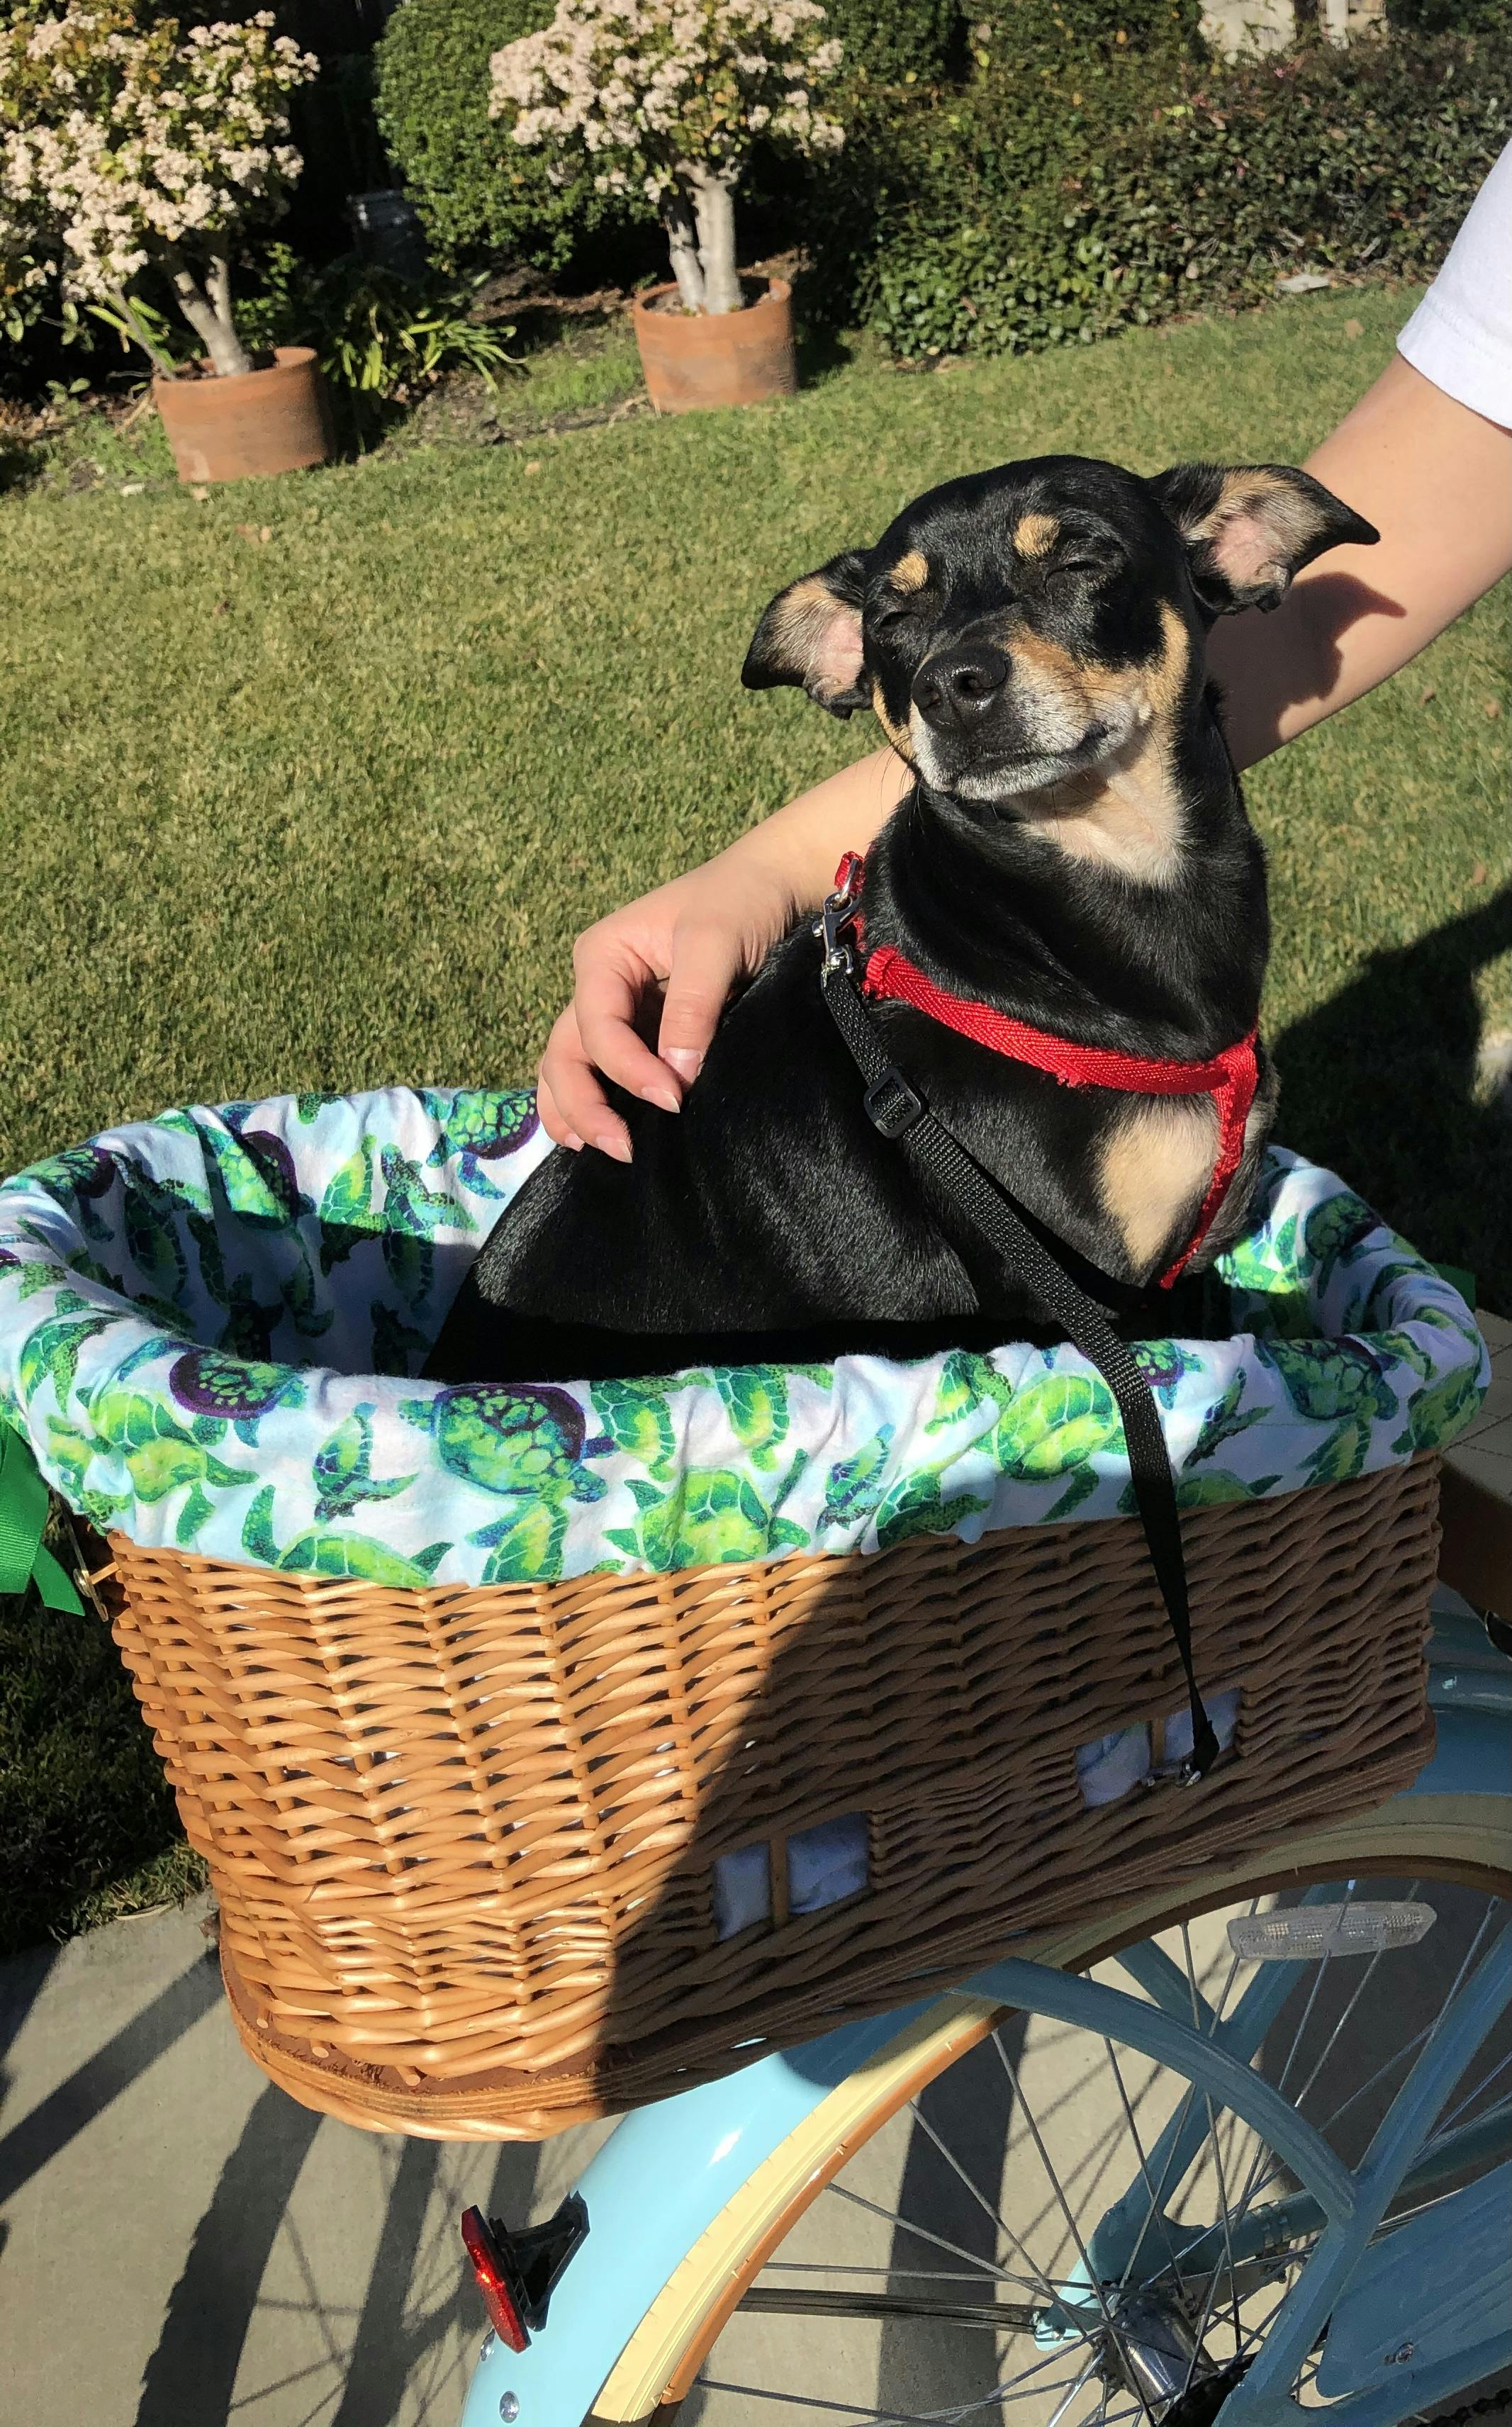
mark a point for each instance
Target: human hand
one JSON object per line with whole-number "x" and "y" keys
{"x": 689, "y": 941}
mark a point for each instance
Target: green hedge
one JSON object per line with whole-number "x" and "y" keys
{"x": 900, "y": 42}
{"x": 1062, "y": 197}
{"x": 481, "y": 195}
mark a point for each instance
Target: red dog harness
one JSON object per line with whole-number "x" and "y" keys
{"x": 1230, "y": 1077}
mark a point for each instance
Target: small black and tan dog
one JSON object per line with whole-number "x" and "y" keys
{"x": 1074, "y": 855}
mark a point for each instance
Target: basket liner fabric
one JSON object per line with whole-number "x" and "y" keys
{"x": 209, "y": 1322}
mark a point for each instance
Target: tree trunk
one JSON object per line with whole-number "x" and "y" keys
{"x": 714, "y": 207}
{"x": 678, "y": 222}
{"x": 207, "y": 310}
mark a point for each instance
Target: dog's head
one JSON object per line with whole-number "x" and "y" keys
{"x": 1017, "y": 628}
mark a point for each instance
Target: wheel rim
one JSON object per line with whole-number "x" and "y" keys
{"x": 947, "y": 2273}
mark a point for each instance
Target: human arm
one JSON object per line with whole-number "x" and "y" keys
{"x": 1436, "y": 479}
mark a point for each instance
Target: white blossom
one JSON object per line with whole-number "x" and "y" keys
{"x": 653, "y": 89}
{"x": 138, "y": 138}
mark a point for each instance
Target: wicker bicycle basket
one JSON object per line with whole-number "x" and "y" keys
{"x": 463, "y": 1839}
{"x": 520, "y": 1726}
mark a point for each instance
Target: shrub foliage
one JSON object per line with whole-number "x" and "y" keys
{"x": 899, "y": 42}
{"x": 481, "y": 195}
{"x": 1075, "y": 186}
{"x": 1023, "y": 172}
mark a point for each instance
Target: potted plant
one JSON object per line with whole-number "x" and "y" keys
{"x": 143, "y": 146}
{"x": 668, "y": 97}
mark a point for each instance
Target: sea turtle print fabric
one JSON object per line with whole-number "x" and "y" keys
{"x": 210, "y": 1325}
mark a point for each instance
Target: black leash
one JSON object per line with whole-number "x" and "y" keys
{"x": 895, "y": 1107}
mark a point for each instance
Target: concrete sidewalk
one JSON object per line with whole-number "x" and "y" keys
{"x": 185, "y": 2246}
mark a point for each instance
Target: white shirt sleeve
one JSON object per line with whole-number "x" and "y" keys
{"x": 1460, "y": 336}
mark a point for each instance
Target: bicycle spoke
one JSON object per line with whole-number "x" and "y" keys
{"x": 1361, "y": 1987}
{"x": 1409, "y": 2049}
{"x": 846, "y": 2267}
{"x": 983, "y": 2202}
{"x": 1156, "y": 2207}
{"x": 1253, "y": 2187}
{"x": 1229, "y": 2253}
{"x": 1446, "y": 2123}
{"x": 921, "y": 2233}
{"x": 1011, "y": 2388}
{"x": 1087, "y": 2268}
{"x": 1139, "y": 2146}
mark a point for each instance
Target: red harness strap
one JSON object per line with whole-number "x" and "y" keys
{"x": 1230, "y": 1077}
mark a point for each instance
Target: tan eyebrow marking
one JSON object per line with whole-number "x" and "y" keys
{"x": 1035, "y": 534}
{"x": 911, "y": 572}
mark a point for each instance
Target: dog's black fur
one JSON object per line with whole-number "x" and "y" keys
{"x": 1075, "y": 852}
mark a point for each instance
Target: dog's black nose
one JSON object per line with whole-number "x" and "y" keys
{"x": 954, "y": 689}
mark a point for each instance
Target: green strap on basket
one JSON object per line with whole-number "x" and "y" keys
{"x": 23, "y": 1556}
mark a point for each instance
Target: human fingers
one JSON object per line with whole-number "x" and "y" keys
{"x": 708, "y": 955}
{"x": 572, "y": 1103}
{"x": 553, "y": 1120}
{"x": 613, "y": 981}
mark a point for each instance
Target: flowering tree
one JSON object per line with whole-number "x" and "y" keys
{"x": 125, "y": 147}
{"x": 670, "y": 95}
{"x": 22, "y": 275}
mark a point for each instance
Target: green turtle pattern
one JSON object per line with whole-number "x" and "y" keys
{"x": 479, "y": 1128}
{"x": 208, "y": 1325}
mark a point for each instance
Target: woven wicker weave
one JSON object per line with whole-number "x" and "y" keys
{"x": 462, "y": 1838}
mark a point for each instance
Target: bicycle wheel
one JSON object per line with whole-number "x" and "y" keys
{"x": 1016, "y": 2219}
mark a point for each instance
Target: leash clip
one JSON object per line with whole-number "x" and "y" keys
{"x": 839, "y": 907}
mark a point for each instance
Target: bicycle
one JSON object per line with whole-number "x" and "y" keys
{"x": 1207, "y": 2189}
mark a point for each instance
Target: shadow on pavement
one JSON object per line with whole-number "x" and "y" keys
{"x": 1382, "y": 1085}
{"x": 32, "y": 2143}
{"x": 369, "y": 2367}
{"x": 192, "y": 2373}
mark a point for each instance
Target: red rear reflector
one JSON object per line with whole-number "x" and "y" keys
{"x": 499, "y": 2299}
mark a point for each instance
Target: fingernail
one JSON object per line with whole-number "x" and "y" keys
{"x": 666, "y": 1097}
{"x": 684, "y": 1061}
{"x": 572, "y": 1142}
{"x": 613, "y": 1142}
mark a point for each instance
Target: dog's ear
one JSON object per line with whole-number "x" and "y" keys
{"x": 1249, "y": 527}
{"x": 811, "y": 634}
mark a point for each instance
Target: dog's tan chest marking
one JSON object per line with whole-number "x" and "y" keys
{"x": 1155, "y": 1167}
{"x": 1035, "y": 534}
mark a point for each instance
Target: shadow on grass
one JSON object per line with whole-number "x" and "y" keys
{"x": 85, "y": 1810}
{"x": 822, "y": 353}
{"x": 21, "y": 461}
{"x": 1382, "y": 1085}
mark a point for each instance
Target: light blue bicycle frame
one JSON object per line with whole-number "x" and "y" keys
{"x": 1424, "y": 2324}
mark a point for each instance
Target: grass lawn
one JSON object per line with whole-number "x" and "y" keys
{"x": 311, "y": 784}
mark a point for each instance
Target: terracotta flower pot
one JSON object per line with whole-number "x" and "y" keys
{"x": 693, "y": 359}
{"x": 253, "y": 423}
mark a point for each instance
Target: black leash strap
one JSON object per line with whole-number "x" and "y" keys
{"x": 896, "y": 1108}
